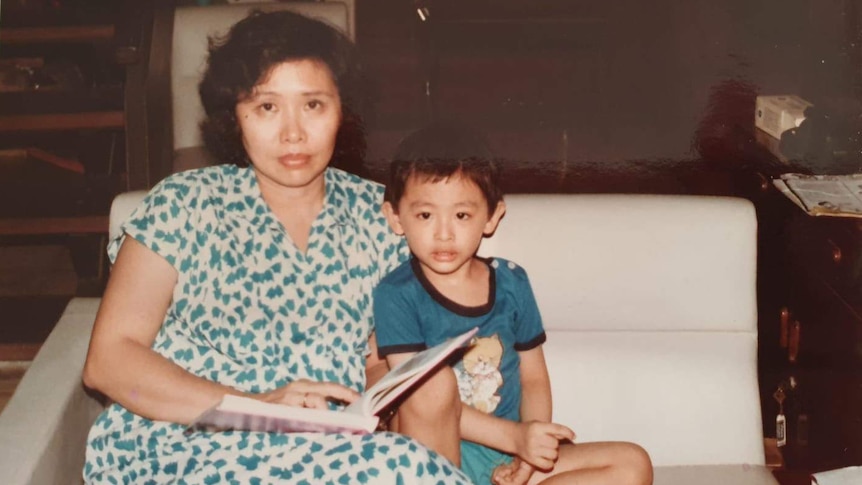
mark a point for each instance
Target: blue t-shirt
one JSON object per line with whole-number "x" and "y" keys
{"x": 411, "y": 315}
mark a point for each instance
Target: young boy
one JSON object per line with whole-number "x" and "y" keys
{"x": 444, "y": 198}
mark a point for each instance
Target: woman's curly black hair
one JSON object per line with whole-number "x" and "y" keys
{"x": 244, "y": 57}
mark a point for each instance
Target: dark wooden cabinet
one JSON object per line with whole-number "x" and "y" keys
{"x": 819, "y": 343}
{"x": 810, "y": 321}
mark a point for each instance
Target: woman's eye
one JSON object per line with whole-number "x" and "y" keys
{"x": 315, "y": 104}
{"x": 267, "y": 106}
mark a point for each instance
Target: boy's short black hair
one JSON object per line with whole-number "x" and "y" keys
{"x": 439, "y": 151}
{"x": 247, "y": 54}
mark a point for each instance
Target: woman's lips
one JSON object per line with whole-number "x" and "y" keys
{"x": 293, "y": 159}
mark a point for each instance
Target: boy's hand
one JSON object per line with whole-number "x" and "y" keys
{"x": 538, "y": 443}
{"x": 516, "y": 473}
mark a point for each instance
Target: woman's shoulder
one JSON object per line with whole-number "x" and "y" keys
{"x": 183, "y": 187}
{"x": 356, "y": 189}
{"x": 206, "y": 176}
{"x": 356, "y": 198}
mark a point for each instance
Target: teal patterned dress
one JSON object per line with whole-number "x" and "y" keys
{"x": 251, "y": 311}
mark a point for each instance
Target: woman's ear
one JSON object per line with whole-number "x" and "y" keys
{"x": 393, "y": 218}
{"x": 494, "y": 220}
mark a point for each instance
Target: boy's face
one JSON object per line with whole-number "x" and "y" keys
{"x": 444, "y": 221}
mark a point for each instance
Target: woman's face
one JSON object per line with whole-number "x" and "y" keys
{"x": 289, "y": 123}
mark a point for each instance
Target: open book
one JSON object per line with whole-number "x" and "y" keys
{"x": 236, "y": 412}
{"x": 824, "y": 195}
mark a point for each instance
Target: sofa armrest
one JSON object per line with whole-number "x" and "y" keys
{"x": 43, "y": 429}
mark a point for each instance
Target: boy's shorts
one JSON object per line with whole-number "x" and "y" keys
{"x": 478, "y": 461}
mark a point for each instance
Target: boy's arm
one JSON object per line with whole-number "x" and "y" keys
{"x": 502, "y": 434}
{"x": 535, "y": 386}
{"x": 375, "y": 367}
{"x": 535, "y": 439}
{"x": 488, "y": 430}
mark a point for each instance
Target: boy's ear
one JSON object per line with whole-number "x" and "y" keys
{"x": 494, "y": 220}
{"x": 393, "y": 218}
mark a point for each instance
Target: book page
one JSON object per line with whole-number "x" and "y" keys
{"x": 407, "y": 373}
{"x": 236, "y": 412}
{"x": 825, "y": 194}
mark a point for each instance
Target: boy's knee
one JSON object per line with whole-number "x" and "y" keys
{"x": 435, "y": 399}
{"x": 432, "y": 415}
{"x": 638, "y": 468}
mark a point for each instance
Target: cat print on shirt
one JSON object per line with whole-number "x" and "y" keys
{"x": 478, "y": 374}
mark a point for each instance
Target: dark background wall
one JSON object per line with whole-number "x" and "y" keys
{"x": 604, "y": 83}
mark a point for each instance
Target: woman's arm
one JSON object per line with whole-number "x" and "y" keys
{"x": 120, "y": 362}
{"x": 122, "y": 365}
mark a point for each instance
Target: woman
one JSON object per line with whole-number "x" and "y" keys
{"x": 252, "y": 278}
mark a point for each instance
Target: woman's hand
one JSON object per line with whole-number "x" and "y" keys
{"x": 304, "y": 393}
{"x": 516, "y": 473}
{"x": 538, "y": 443}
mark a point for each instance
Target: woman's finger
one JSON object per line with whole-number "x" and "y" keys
{"x": 329, "y": 390}
{"x": 315, "y": 401}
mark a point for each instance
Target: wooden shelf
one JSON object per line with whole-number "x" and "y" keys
{"x": 56, "y": 99}
{"x": 31, "y": 35}
{"x": 63, "y": 121}
{"x": 54, "y": 225}
{"x": 18, "y": 352}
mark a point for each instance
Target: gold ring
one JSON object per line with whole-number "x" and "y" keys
{"x": 305, "y": 400}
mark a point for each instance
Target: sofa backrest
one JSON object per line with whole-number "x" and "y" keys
{"x": 649, "y": 304}
{"x": 193, "y": 26}
{"x": 688, "y": 262}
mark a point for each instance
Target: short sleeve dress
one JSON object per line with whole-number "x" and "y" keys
{"x": 251, "y": 311}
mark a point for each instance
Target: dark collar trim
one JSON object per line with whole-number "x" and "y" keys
{"x": 458, "y": 309}
{"x": 532, "y": 343}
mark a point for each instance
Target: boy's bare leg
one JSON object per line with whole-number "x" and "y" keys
{"x": 617, "y": 463}
{"x": 432, "y": 415}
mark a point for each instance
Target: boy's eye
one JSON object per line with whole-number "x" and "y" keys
{"x": 462, "y": 216}
{"x": 424, "y": 215}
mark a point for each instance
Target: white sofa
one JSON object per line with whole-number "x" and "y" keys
{"x": 649, "y": 304}
{"x": 650, "y": 308}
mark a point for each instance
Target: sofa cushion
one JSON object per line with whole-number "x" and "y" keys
{"x": 686, "y": 397}
{"x": 714, "y": 475}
